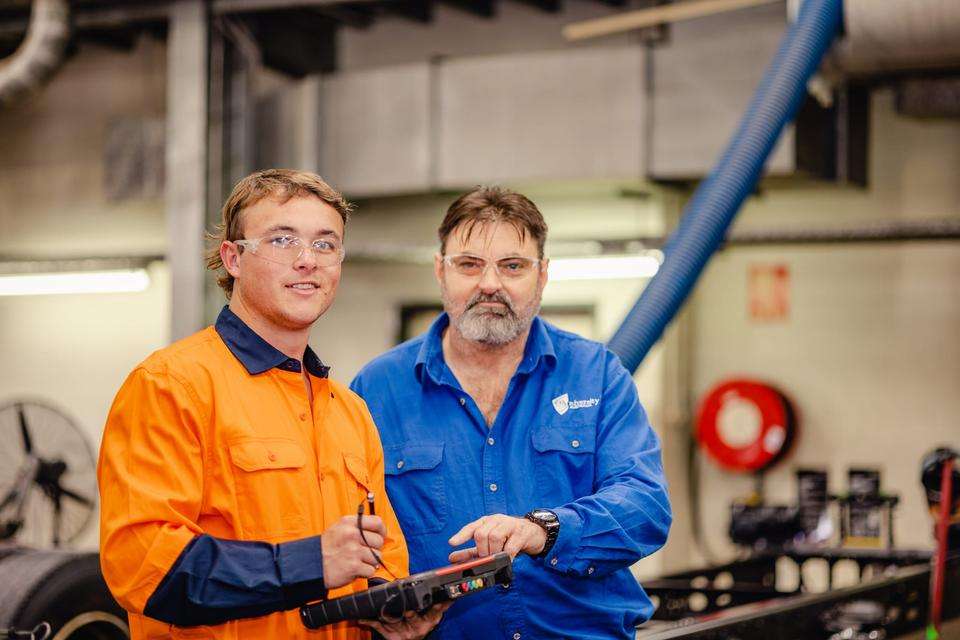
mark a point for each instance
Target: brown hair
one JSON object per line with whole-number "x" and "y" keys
{"x": 494, "y": 204}
{"x": 281, "y": 184}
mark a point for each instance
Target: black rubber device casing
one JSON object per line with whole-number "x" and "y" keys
{"x": 418, "y": 592}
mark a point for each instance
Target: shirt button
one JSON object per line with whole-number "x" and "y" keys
{"x": 575, "y": 444}
{"x": 493, "y": 487}
{"x": 590, "y": 571}
{"x": 303, "y": 416}
{"x": 272, "y": 456}
{"x": 490, "y": 441}
{"x": 516, "y": 636}
{"x": 553, "y": 562}
{"x": 463, "y": 401}
{"x": 400, "y": 465}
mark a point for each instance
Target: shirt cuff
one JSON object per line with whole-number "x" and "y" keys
{"x": 301, "y": 571}
{"x": 563, "y": 554}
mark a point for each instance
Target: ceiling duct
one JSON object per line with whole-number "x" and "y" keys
{"x": 898, "y": 35}
{"x": 40, "y": 54}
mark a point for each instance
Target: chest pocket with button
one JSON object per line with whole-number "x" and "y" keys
{"x": 270, "y": 481}
{"x": 414, "y": 475}
{"x": 564, "y": 461}
{"x": 357, "y": 469}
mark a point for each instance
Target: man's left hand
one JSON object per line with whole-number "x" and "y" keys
{"x": 498, "y": 533}
{"x": 412, "y": 627}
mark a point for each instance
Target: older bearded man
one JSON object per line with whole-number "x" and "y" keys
{"x": 501, "y": 430}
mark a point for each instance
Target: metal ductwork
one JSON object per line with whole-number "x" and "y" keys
{"x": 41, "y": 53}
{"x": 898, "y": 35}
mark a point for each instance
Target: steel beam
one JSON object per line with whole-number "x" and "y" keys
{"x": 186, "y": 164}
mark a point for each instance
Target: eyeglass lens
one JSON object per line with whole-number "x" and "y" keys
{"x": 287, "y": 249}
{"x": 473, "y": 266}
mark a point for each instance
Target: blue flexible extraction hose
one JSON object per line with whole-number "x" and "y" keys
{"x": 716, "y": 201}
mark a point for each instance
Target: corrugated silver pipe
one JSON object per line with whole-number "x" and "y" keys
{"x": 40, "y": 54}
{"x": 898, "y": 35}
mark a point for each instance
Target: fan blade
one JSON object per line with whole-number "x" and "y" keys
{"x": 9, "y": 498}
{"x": 57, "y": 518}
{"x": 657, "y": 15}
{"x": 24, "y": 431}
{"x": 87, "y": 502}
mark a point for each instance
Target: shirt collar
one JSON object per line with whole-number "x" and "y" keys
{"x": 430, "y": 357}
{"x": 256, "y": 354}
{"x": 539, "y": 347}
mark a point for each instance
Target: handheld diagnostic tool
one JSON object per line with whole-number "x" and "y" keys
{"x": 413, "y": 593}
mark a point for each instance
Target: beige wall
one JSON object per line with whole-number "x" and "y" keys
{"x": 455, "y": 33}
{"x": 870, "y": 352}
{"x": 74, "y": 351}
{"x": 52, "y": 197}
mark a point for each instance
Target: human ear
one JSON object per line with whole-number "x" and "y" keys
{"x": 230, "y": 256}
{"x": 438, "y": 267}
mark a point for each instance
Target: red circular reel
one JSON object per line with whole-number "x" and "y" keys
{"x": 745, "y": 425}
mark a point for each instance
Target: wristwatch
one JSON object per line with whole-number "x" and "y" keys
{"x": 549, "y": 522}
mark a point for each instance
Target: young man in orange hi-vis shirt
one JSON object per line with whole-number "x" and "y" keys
{"x": 232, "y": 467}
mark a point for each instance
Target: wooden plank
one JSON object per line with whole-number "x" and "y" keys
{"x": 654, "y": 16}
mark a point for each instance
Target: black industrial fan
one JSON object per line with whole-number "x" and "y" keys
{"x": 47, "y": 475}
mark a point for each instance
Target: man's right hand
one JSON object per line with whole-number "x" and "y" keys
{"x": 345, "y": 556}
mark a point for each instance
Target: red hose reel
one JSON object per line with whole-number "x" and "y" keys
{"x": 746, "y": 425}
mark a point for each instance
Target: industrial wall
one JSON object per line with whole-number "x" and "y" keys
{"x": 869, "y": 350}
{"x": 454, "y": 33}
{"x": 79, "y": 178}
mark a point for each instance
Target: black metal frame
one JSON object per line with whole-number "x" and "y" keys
{"x": 752, "y": 608}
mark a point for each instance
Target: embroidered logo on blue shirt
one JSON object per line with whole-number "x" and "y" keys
{"x": 563, "y": 403}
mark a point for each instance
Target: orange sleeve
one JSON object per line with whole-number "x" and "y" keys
{"x": 395, "y": 554}
{"x": 150, "y": 475}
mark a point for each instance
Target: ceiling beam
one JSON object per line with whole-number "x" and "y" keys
{"x": 297, "y": 43}
{"x": 550, "y": 6}
{"x": 482, "y": 8}
{"x": 355, "y": 16}
{"x": 416, "y": 10}
{"x": 248, "y": 6}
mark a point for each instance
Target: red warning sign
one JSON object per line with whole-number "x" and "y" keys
{"x": 768, "y": 290}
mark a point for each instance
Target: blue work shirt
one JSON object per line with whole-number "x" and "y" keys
{"x": 570, "y": 436}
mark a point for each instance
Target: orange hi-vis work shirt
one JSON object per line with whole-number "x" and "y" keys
{"x": 217, "y": 476}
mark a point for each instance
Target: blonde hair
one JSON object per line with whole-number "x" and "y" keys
{"x": 281, "y": 184}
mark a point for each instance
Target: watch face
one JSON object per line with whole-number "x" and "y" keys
{"x": 544, "y": 515}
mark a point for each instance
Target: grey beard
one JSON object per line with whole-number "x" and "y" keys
{"x": 494, "y": 329}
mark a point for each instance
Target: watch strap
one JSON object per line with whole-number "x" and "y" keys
{"x": 552, "y": 530}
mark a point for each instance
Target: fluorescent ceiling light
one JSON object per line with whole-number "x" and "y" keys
{"x": 604, "y": 267}
{"x": 47, "y": 284}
